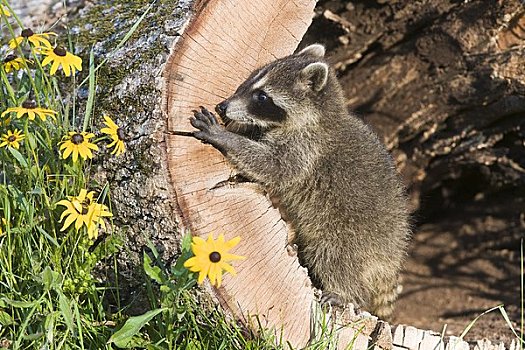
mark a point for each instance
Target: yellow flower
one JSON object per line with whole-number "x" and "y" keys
{"x": 4, "y": 223}
{"x": 83, "y": 210}
{"x": 78, "y": 143}
{"x": 210, "y": 258}
{"x": 11, "y": 62}
{"x": 60, "y": 57}
{"x": 38, "y": 40}
{"x": 99, "y": 211}
{"x": 4, "y": 11}
{"x": 30, "y": 108}
{"x": 12, "y": 139}
{"x": 117, "y": 135}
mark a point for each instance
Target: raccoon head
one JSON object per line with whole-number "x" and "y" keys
{"x": 281, "y": 93}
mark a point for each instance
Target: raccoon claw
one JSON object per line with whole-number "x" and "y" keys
{"x": 211, "y": 117}
{"x": 208, "y": 127}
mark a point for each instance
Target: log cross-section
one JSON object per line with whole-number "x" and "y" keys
{"x": 224, "y": 42}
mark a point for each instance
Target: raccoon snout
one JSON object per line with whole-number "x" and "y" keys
{"x": 221, "y": 108}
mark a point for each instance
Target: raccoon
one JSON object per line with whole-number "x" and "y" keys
{"x": 287, "y": 128}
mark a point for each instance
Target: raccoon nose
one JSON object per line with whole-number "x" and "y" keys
{"x": 221, "y": 108}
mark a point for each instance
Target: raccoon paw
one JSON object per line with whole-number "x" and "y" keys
{"x": 206, "y": 122}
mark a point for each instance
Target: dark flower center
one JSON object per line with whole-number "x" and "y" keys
{"x": 85, "y": 206}
{"x": 26, "y": 33}
{"x": 59, "y": 51}
{"x": 29, "y": 104}
{"x": 11, "y": 138}
{"x": 215, "y": 257}
{"x": 77, "y": 139}
{"x": 9, "y": 58}
{"x": 120, "y": 134}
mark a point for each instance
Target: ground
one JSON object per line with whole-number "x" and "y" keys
{"x": 458, "y": 267}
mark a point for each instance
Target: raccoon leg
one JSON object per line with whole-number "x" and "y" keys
{"x": 255, "y": 160}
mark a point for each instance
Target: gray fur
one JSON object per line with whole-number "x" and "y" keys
{"x": 332, "y": 176}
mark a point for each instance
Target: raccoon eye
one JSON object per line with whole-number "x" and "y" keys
{"x": 260, "y": 96}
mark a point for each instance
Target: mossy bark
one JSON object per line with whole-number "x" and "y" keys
{"x": 128, "y": 89}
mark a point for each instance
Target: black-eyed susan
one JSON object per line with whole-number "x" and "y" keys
{"x": 211, "y": 258}
{"x": 117, "y": 136}
{"x": 4, "y": 11}
{"x": 4, "y": 224}
{"x": 12, "y": 62}
{"x": 83, "y": 210}
{"x": 60, "y": 57}
{"x": 30, "y": 108}
{"x": 77, "y": 143}
{"x": 12, "y": 139}
{"x": 99, "y": 212}
{"x": 39, "y": 41}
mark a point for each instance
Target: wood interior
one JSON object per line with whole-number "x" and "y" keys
{"x": 221, "y": 46}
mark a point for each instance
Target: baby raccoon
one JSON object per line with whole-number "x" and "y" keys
{"x": 287, "y": 128}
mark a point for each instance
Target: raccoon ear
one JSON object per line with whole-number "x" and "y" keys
{"x": 315, "y": 50}
{"x": 315, "y": 75}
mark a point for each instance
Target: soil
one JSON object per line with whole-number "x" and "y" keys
{"x": 460, "y": 265}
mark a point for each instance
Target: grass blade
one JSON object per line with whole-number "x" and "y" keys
{"x": 91, "y": 94}
{"x": 133, "y": 325}
{"x": 471, "y": 324}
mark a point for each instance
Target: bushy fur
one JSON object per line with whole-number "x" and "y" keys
{"x": 333, "y": 178}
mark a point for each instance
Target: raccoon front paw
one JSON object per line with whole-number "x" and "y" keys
{"x": 209, "y": 127}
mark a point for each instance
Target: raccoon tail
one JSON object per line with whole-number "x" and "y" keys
{"x": 382, "y": 303}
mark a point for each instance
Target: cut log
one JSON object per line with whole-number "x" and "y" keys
{"x": 224, "y": 43}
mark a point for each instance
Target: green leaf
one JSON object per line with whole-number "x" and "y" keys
{"x": 50, "y": 278}
{"x": 154, "y": 272}
{"x": 178, "y": 270}
{"x": 20, "y": 304}
{"x": 123, "y": 337}
{"x": 186, "y": 242}
{"x": 18, "y": 156}
{"x": 6, "y": 319}
{"x": 66, "y": 312}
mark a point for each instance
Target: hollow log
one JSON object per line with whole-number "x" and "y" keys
{"x": 443, "y": 83}
{"x": 416, "y": 90}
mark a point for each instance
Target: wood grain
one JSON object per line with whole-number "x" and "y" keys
{"x": 225, "y": 42}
